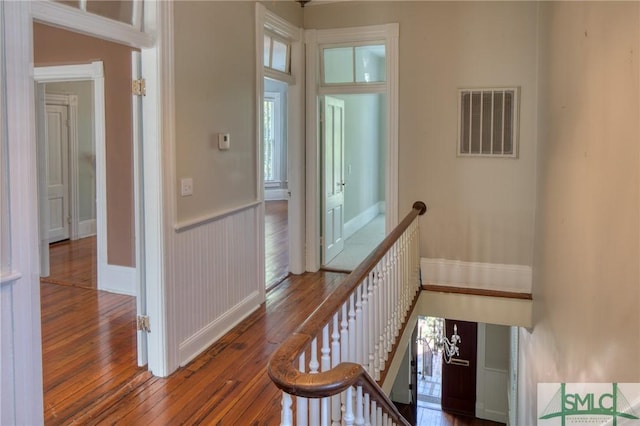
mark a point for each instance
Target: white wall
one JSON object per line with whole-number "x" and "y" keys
{"x": 586, "y": 278}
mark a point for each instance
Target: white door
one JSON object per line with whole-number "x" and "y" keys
{"x": 138, "y": 194}
{"x": 57, "y": 146}
{"x": 333, "y": 178}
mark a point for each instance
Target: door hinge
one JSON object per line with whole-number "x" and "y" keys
{"x": 139, "y": 88}
{"x": 143, "y": 324}
{"x": 321, "y": 241}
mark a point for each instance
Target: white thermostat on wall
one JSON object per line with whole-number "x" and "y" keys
{"x": 224, "y": 141}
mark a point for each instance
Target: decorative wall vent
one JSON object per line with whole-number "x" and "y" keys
{"x": 488, "y": 122}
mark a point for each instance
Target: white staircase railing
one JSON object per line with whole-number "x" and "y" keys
{"x": 328, "y": 369}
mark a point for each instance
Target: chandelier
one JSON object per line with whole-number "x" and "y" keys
{"x": 437, "y": 341}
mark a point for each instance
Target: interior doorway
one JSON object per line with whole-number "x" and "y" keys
{"x": 355, "y": 169}
{"x": 276, "y": 191}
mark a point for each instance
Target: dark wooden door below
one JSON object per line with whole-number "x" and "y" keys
{"x": 459, "y": 376}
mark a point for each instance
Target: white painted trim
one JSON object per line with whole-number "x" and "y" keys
{"x": 22, "y": 392}
{"x": 389, "y": 34}
{"x": 119, "y": 279}
{"x": 485, "y": 276}
{"x": 78, "y": 72}
{"x": 159, "y": 186}
{"x": 198, "y": 342}
{"x": 277, "y": 194}
{"x": 138, "y": 190}
{"x": 358, "y": 222}
{"x": 192, "y": 223}
{"x": 87, "y": 228}
{"x": 9, "y": 277}
{"x": 59, "y": 15}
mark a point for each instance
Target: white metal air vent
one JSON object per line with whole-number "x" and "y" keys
{"x": 488, "y": 122}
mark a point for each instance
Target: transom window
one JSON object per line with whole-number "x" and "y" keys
{"x": 277, "y": 54}
{"x": 126, "y": 11}
{"x": 354, "y": 64}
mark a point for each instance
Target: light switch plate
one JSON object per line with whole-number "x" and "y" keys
{"x": 186, "y": 187}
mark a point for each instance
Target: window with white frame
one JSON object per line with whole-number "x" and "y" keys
{"x": 277, "y": 53}
{"x": 488, "y": 122}
{"x": 272, "y": 134}
{"x": 126, "y": 11}
{"x": 354, "y": 64}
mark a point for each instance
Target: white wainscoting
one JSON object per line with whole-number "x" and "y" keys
{"x": 217, "y": 279}
{"x": 352, "y": 226}
{"x": 485, "y": 276}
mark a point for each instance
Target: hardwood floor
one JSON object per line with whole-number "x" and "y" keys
{"x": 73, "y": 263}
{"x": 226, "y": 385}
{"x": 276, "y": 234}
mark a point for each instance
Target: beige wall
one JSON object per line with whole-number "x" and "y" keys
{"x": 215, "y": 87}
{"x": 586, "y": 287}
{"x": 53, "y": 46}
{"x": 481, "y": 210}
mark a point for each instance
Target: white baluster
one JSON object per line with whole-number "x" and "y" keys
{"x": 367, "y": 410}
{"x": 314, "y": 403}
{"x": 371, "y": 327}
{"x": 302, "y": 407}
{"x": 359, "y": 408}
{"x": 365, "y": 326}
{"x": 344, "y": 335}
{"x": 382, "y": 320}
{"x": 374, "y": 413}
{"x": 359, "y": 327}
{"x": 335, "y": 360}
{"x": 379, "y": 416}
{"x": 286, "y": 416}
{"x": 385, "y": 419}
{"x": 325, "y": 365}
{"x": 348, "y": 407}
{"x": 352, "y": 329}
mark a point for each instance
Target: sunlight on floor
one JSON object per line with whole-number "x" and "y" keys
{"x": 359, "y": 245}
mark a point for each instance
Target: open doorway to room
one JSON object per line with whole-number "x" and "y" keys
{"x": 357, "y": 150}
{"x": 69, "y": 148}
{"x": 85, "y": 138}
{"x": 276, "y": 192}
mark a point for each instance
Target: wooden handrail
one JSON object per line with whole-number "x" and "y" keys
{"x": 281, "y": 367}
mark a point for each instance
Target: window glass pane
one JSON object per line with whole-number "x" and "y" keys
{"x": 269, "y": 139}
{"x": 279, "y": 60}
{"x": 119, "y": 10}
{"x": 371, "y": 64}
{"x": 338, "y": 65}
{"x": 267, "y": 50}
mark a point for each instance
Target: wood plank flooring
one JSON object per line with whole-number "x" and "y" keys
{"x": 73, "y": 263}
{"x": 227, "y": 384}
{"x": 276, "y": 233}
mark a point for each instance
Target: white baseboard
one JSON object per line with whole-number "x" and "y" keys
{"x": 484, "y": 276}
{"x": 362, "y": 219}
{"x": 205, "y": 337}
{"x": 118, "y": 279}
{"x": 276, "y": 194}
{"x": 87, "y": 228}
